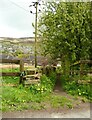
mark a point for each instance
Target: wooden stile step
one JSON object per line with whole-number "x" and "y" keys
{"x": 32, "y": 77}
{"x": 35, "y": 76}
{"x": 32, "y": 71}
{"x": 28, "y": 82}
{"x": 29, "y": 76}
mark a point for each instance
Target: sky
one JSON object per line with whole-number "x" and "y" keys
{"x": 16, "y": 19}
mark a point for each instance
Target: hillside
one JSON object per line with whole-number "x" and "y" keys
{"x": 17, "y": 40}
{"x": 19, "y": 48}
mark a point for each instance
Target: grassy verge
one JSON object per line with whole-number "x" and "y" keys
{"x": 10, "y": 80}
{"x": 22, "y": 98}
{"x": 41, "y": 96}
{"x": 35, "y": 97}
{"x": 75, "y": 86}
{"x": 9, "y": 70}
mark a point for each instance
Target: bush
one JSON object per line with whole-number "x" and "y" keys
{"x": 74, "y": 88}
{"x": 46, "y": 85}
{"x": 52, "y": 77}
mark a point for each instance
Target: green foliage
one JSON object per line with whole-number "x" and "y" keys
{"x": 20, "y": 98}
{"x": 65, "y": 29}
{"x": 59, "y": 70}
{"x": 39, "y": 95}
{"x": 10, "y": 80}
{"x": 52, "y": 77}
{"x": 74, "y": 88}
{"x": 10, "y": 69}
{"x": 45, "y": 85}
{"x": 58, "y": 101}
{"x": 12, "y": 98}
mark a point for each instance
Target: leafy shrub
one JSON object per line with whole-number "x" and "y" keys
{"x": 52, "y": 77}
{"x": 45, "y": 85}
{"x": 59, "y": 70}
{"x": 74, "y": 88}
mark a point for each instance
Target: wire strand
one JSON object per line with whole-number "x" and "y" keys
{"x": 17, "y": 5}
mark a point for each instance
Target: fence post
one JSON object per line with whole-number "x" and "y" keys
{"x": 81, "y": 69}
{"x": 21, "y": 70}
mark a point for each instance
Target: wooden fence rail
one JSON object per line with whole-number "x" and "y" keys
{"x": 81, "y": 71}
{"x": 10, "y": 73}
{"x": 20, "y": 62}
{"x": 10, "y": 61}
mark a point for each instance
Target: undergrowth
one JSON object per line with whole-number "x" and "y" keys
{"x": 72, "y": 86}
{"x": 36, "y": 96}
{"x": 20, "y": 98}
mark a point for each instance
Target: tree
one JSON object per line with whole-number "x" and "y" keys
{"x": 65, "y": 29}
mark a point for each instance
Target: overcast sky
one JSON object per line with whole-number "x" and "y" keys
{"x": 16, "y": 19}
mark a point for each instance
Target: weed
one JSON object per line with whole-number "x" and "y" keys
{"x": 45, "y": 85}
{"x": 74, "y": 88}
{"x": 12, "y": 80}
{"x": 37, "y": 106}
{"x": 58, "y": 101}
{"x": 69, "y": 105}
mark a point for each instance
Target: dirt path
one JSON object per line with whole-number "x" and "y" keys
{"x": 82, "y": 111}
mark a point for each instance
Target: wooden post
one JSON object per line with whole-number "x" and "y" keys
{"x": 21, "y": 70}
{"x": 81, "y": 70}
{"x": 36, "y": 6}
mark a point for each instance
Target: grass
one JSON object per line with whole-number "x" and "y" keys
{"x": 9, "y": 70}
{"x": 10, "y": 80}
{"x": 35, "y": 97}
{"x": 83, "y": 88}
{"x": 40, "y": 96}
{"x": 18, "y": 98}
{"x": 60, "y": 101}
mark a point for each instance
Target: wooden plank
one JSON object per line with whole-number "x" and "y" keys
{"x": 10, "y": 85}
{"x": 10, "y": 73}
{"x": 9, "y": 61}
{"x": 86, "y": 61}
{"x": 82, "y": 62}
{"x": 79, "y": 71}
{"x": 76, "y": 63}
{"x": 30, "y": 71}
{"x": 31, "y": 82}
